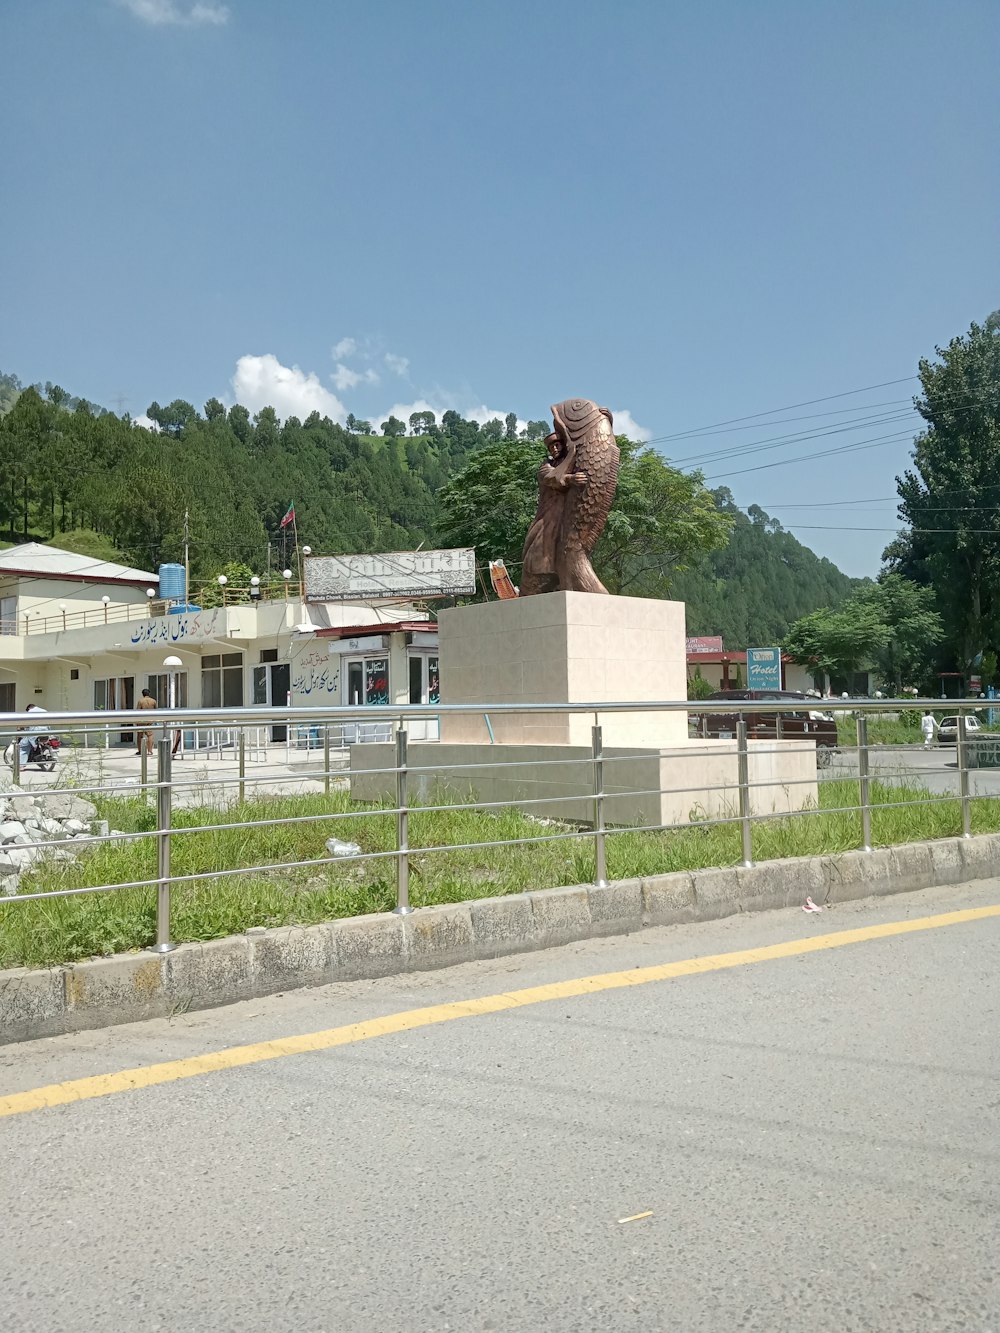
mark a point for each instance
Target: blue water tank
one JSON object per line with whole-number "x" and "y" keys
{"x": 172, "y": 583}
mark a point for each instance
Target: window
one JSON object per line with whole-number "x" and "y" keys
{"x": 368, "y": 681}
{"x": 8, "y": 615}
{"x": 159, "y": 688}
{"x": 222, "y": 680}
{"x": 376, "y": 680}
{"x": 269, "y": 654}
{"x": 118, "y": 692}
{"x": 7, "y": 697}
{"x": 74, "y": 673}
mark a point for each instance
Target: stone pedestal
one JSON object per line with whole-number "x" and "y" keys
{"x": 564, "y": 648}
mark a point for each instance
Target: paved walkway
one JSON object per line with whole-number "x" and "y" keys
{"x": 204, "y": 777}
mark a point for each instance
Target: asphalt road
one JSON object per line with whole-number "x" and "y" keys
{"x": 935, "y": 768}
{"x": 814, "y": 1138}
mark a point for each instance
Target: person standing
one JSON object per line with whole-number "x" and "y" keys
{"x": 147, "y": 701}
{"x": 928, "y": 725}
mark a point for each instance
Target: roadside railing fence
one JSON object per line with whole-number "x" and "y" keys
{"x": 592, "y": 786}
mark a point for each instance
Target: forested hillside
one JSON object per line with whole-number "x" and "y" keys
{"x": 66, "y": 465}
{"x": 79, "y": 476}
{"x": 751, "y": 590}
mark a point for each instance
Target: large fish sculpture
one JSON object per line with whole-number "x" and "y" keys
{"x": 576, "y": 486}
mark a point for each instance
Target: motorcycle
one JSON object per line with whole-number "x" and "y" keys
{"x": 42, "y": 754}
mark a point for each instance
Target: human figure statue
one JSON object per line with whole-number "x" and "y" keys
{"x": 576, "y": 485}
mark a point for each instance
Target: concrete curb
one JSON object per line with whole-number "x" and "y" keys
{"x": 129, "y": 987}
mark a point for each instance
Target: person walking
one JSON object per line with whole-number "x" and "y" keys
{"x": 147, "y": 701}
{"x": 928, "y": 725}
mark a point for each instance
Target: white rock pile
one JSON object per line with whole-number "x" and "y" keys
{"x": 30, "y": 822}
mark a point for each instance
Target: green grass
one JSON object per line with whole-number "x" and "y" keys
{"x": 61, "y": 930}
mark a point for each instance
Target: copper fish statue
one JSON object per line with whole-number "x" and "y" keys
{"x": 576, "y": 485}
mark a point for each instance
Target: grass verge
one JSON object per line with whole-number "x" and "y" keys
{"x": 60, "y": 930}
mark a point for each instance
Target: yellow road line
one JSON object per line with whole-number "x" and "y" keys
{"x": 103, "y": 1085}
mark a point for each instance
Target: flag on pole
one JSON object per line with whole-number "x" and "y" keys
{"x": 289, "y": 517}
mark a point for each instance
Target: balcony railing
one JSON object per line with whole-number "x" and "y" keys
{"x": 53, "y": 622}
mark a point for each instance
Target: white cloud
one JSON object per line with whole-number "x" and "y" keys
{"x": 399, "y": 365}
{"x": 146, "y": 422}
{"x": 346, "y": 347}
{"x": 345, "y": 378}
{"x": 162, "y": 13}
{"x": 626, "y": 425}
{"x": 262, "y": 381}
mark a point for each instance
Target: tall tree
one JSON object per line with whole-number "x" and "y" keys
{"x": 950, "y": 495}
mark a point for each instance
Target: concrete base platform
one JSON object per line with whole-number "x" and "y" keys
{"x": 643, "y": 787}
{"x": 563, "y": 648}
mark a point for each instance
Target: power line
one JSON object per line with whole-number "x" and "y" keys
{"x": 790, "y": 407}
{"x": 877, "y": 442}
{"x": 797, "y": 437}
{"x": 706, "y": 431}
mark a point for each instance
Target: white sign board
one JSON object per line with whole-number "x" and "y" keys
{"x": 332, "y": 578}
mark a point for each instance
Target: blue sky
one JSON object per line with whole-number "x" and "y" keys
{"x": 691, "y": 213}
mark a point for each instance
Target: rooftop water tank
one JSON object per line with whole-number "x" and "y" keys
{"x": 172, "y": 583}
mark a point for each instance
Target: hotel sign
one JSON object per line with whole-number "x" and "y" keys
{"x": 333, "y": 578}
{"x": 764, "y": 668}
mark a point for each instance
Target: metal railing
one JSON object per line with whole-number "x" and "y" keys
{"x": 763, "y": 767}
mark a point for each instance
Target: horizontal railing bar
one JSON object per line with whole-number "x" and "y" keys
{"x": 256, "y": 714}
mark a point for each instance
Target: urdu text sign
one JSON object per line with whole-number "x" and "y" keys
{"x": 763, "y": 668}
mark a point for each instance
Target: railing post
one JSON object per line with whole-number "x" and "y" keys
{"x": 163, "y": 944}
{"x": 743, "y": 773}
{"x": 963, "y": 778}
{"x": 863, "y": 783}
{"x": 326, "y": 758}
{"x": 16, "y": 765}
{"x": 243, "y": 765}
{"x": 600, "y": 851}
{"x": 143, "y": 766}
{"x": 402, "y": 907}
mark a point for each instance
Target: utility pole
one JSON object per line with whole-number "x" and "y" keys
{"x": 187, "y": 561}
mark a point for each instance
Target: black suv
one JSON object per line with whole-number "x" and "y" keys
{"x": 803, "y": 718}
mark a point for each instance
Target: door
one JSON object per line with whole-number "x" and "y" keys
{"x": 113, "y": 693}
{"x": 424, "y": 689}
{"x": 271, "y": 683}
{"x": 368, "y": 685}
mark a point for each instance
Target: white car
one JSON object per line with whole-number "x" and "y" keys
{"x": 948, "y": 729}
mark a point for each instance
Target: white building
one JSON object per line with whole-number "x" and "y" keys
{"x": 79, "y": 634}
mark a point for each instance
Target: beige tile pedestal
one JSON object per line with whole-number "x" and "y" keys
{"x": 578, "y": 648}
{"x": 563, "y": 648}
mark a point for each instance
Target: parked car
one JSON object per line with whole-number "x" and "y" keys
{"x": 948, "y": 729}
{"x": 802, "y": 718}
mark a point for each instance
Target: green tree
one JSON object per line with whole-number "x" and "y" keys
{"x": 839, "y": 643}
{"x": 661, "y": 519}
{"x": 536, "y": 430}
{"x": 914, "y": 628}
{"x": 393, "y": 427}
{"x": 510, "y": 426}
{"x": 949, "y": 496}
